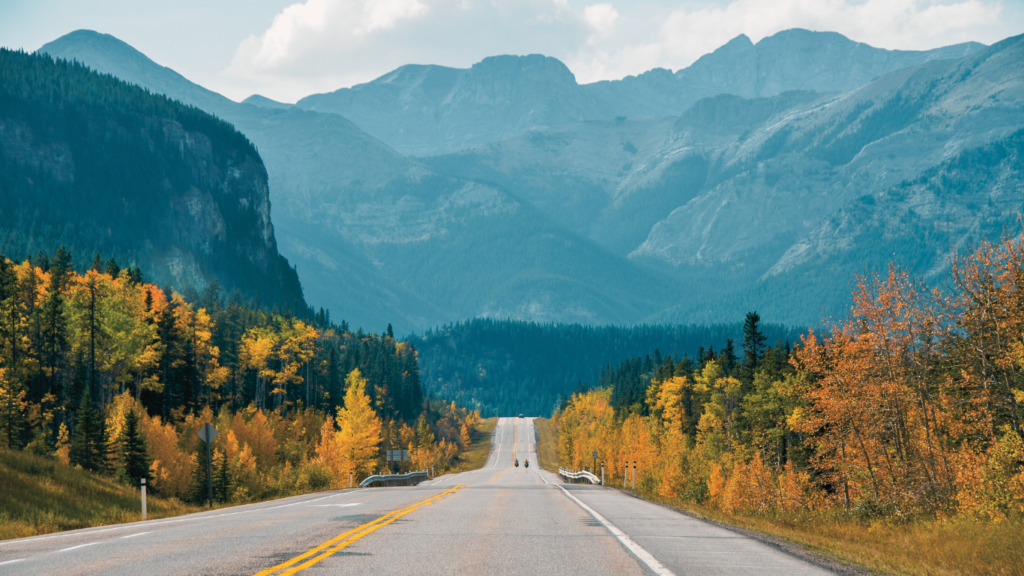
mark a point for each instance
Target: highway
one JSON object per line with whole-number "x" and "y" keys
{"x": 496, "y": 520}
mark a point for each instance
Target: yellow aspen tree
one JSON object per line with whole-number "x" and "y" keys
{"x": 356, "y": 442}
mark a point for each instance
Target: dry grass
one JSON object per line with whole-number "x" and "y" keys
{"x": 919, "y": 548}
{"x": 480, "y": 446}
{"x": 924, "y": 547}
{"x": 39, "y": 496}
{"x": 547, "y": 445}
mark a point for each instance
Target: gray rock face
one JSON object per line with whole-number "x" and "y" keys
{"x": 100, "y": 167}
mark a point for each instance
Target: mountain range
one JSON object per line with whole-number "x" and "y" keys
{"x": 762, "y": 176}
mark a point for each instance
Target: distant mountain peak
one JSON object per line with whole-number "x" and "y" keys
{"x": 547, "y": 67}
{"x": 264, "y": 102}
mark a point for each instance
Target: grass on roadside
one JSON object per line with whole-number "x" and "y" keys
{"x": 547, "y": 445}
{"x": 923, "y": 547}
{"x": 40, "y": 496}
{"x": 475, "y": 457}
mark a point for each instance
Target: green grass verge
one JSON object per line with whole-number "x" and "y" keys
{"x": 39, "y": 496}
{"x": 547, "y": 445}
{"x": 480, "y": 446}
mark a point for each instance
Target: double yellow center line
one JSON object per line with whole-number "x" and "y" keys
{"x": 336, "y": 544}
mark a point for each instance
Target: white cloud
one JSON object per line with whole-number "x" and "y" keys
{"x": 600, "y": 18}
{"x": 322, "y": 45}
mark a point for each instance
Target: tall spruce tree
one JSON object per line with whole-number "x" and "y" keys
{"x": 88, "y": 448}
{"x": 222, "y": 479}
{"x": 753, "y": 341}
{"x": 197, "y": 490}
{"x": 134, "y": 461}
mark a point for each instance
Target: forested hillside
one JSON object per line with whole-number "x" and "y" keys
{"x": 504, "y": 367}
{"x": 93, "y": 164}
{"x": 908, "y": 409}
{"x": 103, "y": 370}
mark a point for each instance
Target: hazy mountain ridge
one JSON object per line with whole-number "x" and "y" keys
{"x": 378, "y": 237}
{"x": 429, "y": 110}
{"x": 538, "y": 225}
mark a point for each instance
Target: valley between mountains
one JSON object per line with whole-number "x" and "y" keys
{"x": 761, "y": 177}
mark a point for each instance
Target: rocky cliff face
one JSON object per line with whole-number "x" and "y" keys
{"x": 99, "y": 166}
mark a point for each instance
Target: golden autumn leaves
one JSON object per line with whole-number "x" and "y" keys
{"x": 913, "y": 405}
{"x": 353, "y": 443}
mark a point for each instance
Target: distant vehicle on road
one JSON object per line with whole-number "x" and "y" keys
{"x": 520, "y": 415}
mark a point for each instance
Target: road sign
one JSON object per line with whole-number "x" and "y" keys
{"x": 595, "y": 454}
{"x": 397, "y": 455}
{"x": 207, "y": 433}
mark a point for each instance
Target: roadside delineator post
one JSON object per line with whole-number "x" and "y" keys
{"x": 602, "y": 473}
{"x": 625, "y": 475}
{"x": 143, "y": 498}
{"x": 634, "y": 475}
{"x": 349, "y": 477}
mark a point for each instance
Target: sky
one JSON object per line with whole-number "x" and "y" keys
{"x": 289, "y": 49}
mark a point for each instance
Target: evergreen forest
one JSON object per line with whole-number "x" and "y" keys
{"x": 506, "y": 367}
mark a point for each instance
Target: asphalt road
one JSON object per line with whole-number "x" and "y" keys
{"x": 497, "y": 520}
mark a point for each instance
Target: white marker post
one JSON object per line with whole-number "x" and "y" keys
{"x": 143, "y": 498}
{"x": 602, "y": 473}
{"x": 349, "y": 477}
{"x": 634, "y": 476}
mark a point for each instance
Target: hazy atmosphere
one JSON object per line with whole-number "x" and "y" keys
{"x": 288, "y": 50}
{"x": 512, "y": 287}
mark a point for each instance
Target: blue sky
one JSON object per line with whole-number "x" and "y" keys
{"x": 286, "y": 50}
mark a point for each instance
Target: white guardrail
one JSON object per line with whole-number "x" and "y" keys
{"x": 578, "y": 476}
{"x": 407, "y": 479}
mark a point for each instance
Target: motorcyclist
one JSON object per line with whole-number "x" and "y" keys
{"x": 517, "y": 462}
{"x": 527, "y": 463}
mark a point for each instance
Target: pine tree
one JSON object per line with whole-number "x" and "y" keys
{"x": 55, "y": 330}
{"x": 134, "y": 461}
{"x": 334, "y": 393}
{"x": 88, "y": 447}
{"x": 730, "y": 356}
{"x": 12, "y": 414}
{"x": 753, "y": 341}
{"x": 197, "y": 490}
{"x": 222, "y": 479}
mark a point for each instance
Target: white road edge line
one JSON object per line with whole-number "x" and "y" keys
{"x": 80, "y": 546}
{"x": 12, "y": 561}
{"x": 626, "y": 541}
{"x": 134, "y": 535}
{"x": 147, "y": 523}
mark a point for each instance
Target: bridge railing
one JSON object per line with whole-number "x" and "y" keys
{"x": 407, "y": 479}
{"x": 578, "y": 476}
